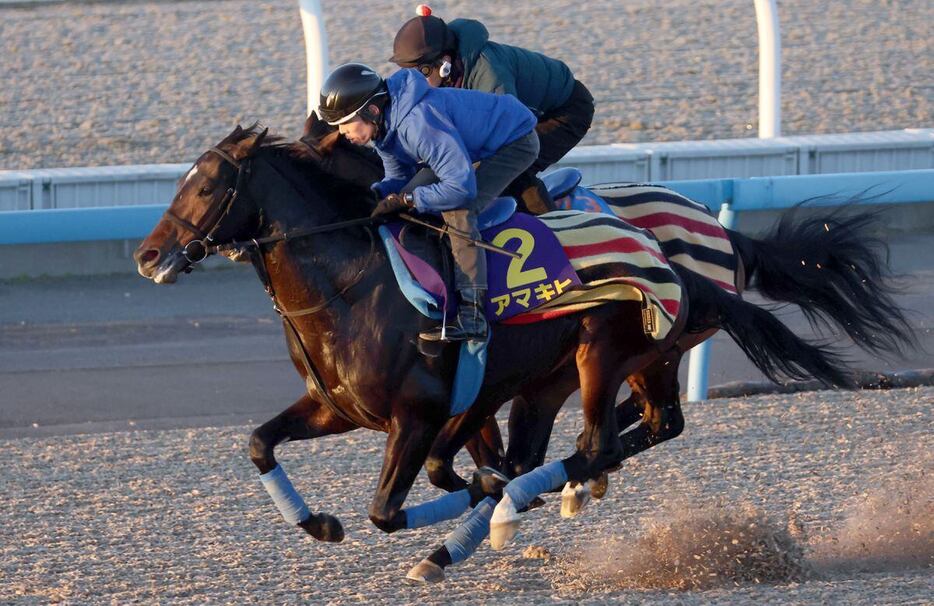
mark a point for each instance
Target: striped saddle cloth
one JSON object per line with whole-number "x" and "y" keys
{"x": 688, "y": 233}
{"x": 614, "y": 261}
{"x": 569, "y": 261}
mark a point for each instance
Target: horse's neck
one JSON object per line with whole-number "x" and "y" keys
{"x": 308, "y": 271}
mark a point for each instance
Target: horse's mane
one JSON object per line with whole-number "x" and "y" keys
{"x": 314, "y": 158}
{"x": 277, "y": 144}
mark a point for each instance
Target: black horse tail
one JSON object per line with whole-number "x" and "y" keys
{"x": 768, "y": 343}
{"x": 835, "y": 270}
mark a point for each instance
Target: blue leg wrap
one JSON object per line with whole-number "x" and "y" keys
{"x": 541, "y": 479}
{"x": 465, "y": 539}
{"x": 283, "y": 494}
{"x": 447, "y": 507}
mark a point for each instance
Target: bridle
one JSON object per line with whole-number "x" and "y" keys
{"x": 197, "y": 250}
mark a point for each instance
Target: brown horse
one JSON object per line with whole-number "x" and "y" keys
{"x": 352, "y": 333}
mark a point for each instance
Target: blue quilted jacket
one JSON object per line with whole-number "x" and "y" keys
{"x": 447, "y": 130}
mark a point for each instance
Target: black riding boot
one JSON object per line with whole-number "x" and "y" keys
{"x": 470, "y": 323}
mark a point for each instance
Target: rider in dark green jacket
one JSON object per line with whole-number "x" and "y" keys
{"x": 460, "y": 54}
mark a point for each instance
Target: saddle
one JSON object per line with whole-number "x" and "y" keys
{"x": 568, "y": 261}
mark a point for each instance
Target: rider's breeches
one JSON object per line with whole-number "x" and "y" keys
{"x": 559, "y": 131}
{"x": 493, "y": 175}
{"x": 469, "y": 261}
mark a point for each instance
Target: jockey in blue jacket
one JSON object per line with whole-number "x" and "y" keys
{"x": 429, "y": 139}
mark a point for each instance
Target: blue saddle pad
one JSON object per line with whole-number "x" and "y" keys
{"x": 433, "y": 300}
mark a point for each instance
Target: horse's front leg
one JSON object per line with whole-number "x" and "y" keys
{"x": 410, "y": 439}
{"x": 305, "y": 419}
{"x": 530, "y": 423}
{"x": 486, "y": 447}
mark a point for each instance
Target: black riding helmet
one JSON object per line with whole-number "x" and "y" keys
{"x": 349, "y": 89}
{"x": 422, "y": 40}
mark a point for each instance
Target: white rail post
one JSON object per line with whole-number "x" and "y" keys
{"x": 316, "y": 48}
{"x": 770, "y": 69}
{"x": 700, "y": 354}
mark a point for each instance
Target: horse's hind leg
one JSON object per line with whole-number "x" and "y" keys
{"x": 602, "y": 365}
{"x": 304, "y": 420}
{"x": 629, "y": 410}
{"x": 662, "y": 418}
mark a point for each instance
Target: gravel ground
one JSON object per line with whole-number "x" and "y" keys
{"x": 823, "y": 497}
{"x": 138, "y": 82}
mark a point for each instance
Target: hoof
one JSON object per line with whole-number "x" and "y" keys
{"x": 573, "y": 499}
{"x": 504, "y": 525}
{"x": 425, "y": 571}
{"x": 502, "y": 534}
{"x": 324, "y": 527}
{"x": 598, "y": 487}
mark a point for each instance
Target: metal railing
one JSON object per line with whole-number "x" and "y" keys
{"x": 728, "y": 196}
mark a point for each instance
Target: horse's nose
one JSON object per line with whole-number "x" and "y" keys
{"x": 146, "y": 258}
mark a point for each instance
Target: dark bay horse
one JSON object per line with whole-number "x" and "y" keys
{"x": 352, "y": 333}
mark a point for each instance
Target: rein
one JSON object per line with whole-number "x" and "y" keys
{"x": 292, "y": 234}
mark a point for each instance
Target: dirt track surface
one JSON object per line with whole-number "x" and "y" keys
{"x": 823, "y": 497}
{"x": 136, "y": 82}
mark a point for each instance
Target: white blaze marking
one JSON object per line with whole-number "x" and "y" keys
{"x": 191, "y": 173}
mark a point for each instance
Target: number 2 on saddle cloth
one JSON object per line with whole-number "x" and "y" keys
{"x": 541, "y": 274}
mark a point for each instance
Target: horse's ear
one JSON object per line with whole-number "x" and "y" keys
{"x": 257, "y": 141}
{"x": 328, "y": 142}
{"x": 310, "y": 124}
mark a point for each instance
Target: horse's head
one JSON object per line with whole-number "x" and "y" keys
{"x": 203, "y": 209}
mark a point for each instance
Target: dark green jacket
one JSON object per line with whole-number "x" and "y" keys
{"x": 539, "y": 82}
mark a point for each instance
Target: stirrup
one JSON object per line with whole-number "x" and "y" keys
{"x": 442, "y": 334}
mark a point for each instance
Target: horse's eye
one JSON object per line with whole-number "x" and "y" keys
{"x": 206, "y": 190}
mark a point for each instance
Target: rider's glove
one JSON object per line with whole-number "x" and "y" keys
{"x": 393, "y": 204}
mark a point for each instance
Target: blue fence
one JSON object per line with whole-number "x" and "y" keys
{"x": 758, "y": 193}
{"x": 78, "y": 224}
{"x": 728, "y": 196}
